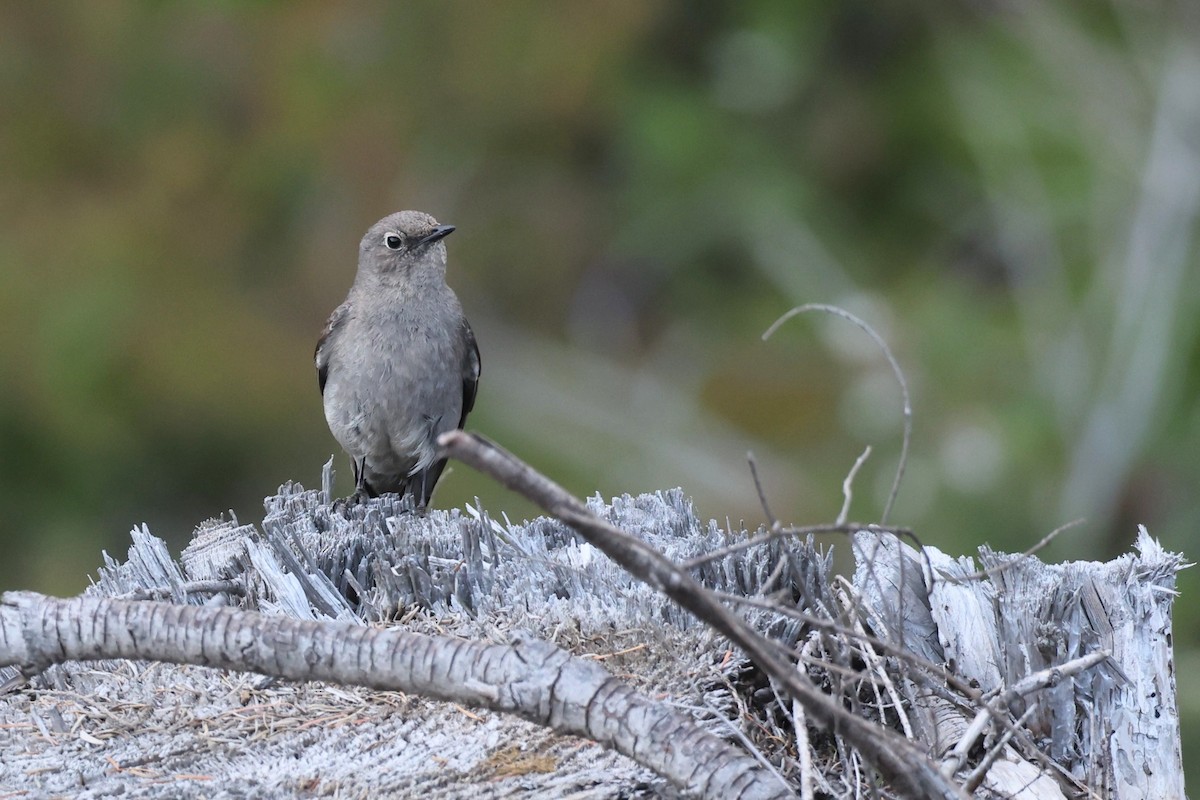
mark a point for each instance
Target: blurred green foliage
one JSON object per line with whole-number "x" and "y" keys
{"x": 1008, "y": 192}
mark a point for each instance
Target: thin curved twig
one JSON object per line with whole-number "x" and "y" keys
{"x": 993, "y": 571}
{"x": 895, "y": 365}
{"x": 762, "y": 493}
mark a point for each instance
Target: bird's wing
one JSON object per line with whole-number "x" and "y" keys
{"x": 421, "y": 483}
{"x": 336, "y": 320}
{"x": 471, "y": 367}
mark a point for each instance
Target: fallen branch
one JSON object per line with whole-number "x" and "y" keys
{"x": 906, "y": 768}
{"x": 530, "y": 678}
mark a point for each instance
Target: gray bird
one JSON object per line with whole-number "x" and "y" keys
{"x": 397, "y": 362}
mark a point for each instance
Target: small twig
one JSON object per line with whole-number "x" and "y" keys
{"x": 980, "y": 772}
{"x": 791, "y": 530}
{"x": 993, "y": 571}
{"x": 1051, "y": 676}
{"x": 887, "y": 352}
{"x": 997, "y": 709}
{"x": 751, "y": 748}
{"x": 758, "y": 487}
{"x": 848, "y": 528}
{"x": 954, "y": 760}
{"x": 800, "y": 725}
{"x": 875, "y": 663}
{"x": 835, "y": 628}
{"x": 848, "y": 485}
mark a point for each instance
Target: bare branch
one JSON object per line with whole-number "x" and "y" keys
{"x": 996, "y": 710}
{"x": 980, "y": 772}
{"x": 901, "y": 763}
{"x": 530, "y": 678}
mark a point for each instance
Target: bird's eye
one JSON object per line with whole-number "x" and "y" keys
{"x": 393, "y": 241}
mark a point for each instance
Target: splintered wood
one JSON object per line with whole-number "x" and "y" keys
{"x": 1028, "y": 680}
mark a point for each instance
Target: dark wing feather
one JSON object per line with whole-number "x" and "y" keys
{"x": 321, "y": 356}
{"x": 421, "y": 484}
{"x": 471, "y": 368}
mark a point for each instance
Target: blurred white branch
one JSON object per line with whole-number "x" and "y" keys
{"x": 1105, "y": 357}
{"x": 1150, "y": 304}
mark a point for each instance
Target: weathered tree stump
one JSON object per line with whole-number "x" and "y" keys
{"x": 462, "y": 655}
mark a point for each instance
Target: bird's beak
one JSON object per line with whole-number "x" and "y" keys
{"x": 440, "y": 232}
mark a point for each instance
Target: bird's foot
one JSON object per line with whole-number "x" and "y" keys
{"x": 343, "y": 504}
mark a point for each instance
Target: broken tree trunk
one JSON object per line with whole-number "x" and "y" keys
{"x": 1079, "y": 652}
{"x": 1032, "y": 681}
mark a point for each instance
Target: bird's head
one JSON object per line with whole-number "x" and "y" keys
{"x": 405, "y": 246}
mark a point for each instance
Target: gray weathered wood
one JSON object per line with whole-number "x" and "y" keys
{"x": 1112, "y": 727}
{"x": 163, "y": 730}
{"x": 471, "y": 577}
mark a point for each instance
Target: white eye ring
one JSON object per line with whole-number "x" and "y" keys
{"x": 393, "y": 241}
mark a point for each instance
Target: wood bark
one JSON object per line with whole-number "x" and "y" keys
{"x": 531, "y": 678}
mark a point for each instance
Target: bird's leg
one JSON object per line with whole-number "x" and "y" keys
{"x": 343, "y": 504}
{"x": 361, "y": 494}
{"x": 420, "y": 496}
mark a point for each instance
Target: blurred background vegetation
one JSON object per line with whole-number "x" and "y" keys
{"x": 1007, "y": 191}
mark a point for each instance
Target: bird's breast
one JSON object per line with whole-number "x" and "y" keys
{"x": 396, "y": 391}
